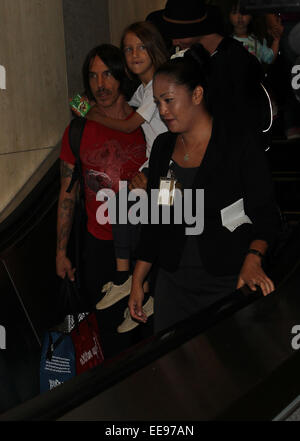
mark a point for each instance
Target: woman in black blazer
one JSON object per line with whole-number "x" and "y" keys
{"x": 221, "y": 171}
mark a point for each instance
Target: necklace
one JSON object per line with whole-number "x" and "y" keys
{"x": 186, "y": 156}
{"x": 203, "y": 146}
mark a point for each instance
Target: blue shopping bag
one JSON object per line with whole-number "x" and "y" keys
{"x": 58, "y": 361}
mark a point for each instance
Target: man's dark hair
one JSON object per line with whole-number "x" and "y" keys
{"x": 113, "y": 58}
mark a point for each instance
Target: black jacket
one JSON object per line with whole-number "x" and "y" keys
{"x": 234, "y": 167}
{"x": 235, "y": 91}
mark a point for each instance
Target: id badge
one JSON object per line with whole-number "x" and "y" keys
{"x": 166, "y": 191}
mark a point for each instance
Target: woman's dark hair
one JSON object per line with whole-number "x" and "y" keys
{"x": 191, "y": 70}
{"x": 113, "y": 58}
{"x": 152, "y": 40}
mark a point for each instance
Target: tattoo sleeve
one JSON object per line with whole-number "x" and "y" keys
{"x": 65, "y": 170}
{"x": 64, "y": 222}
{"x": 66, "y": 204}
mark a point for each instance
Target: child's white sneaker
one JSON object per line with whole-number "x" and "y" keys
{"x": 114, "y": 293}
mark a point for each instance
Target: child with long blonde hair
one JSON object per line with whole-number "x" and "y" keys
{"x": 144, "y": 51}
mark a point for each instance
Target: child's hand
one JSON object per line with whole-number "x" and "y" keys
{"x": 275, "y": 29}
{"x": 95, "y": 113}
{"x": 276, "y": 32}
{"x": 80, "y": 105}
{"x": 139, "y": 181}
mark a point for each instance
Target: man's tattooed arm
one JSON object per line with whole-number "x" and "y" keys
{"x": 64, "y": 223}
{"x": 66, "y": 204}
{"x": 66, "y": 170}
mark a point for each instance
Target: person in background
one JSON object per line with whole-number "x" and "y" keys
{"x": 243, "y": 30}
{"x": 235, "y": 77}
{"x": 240, "y": 216}
{"x": 155, "y": 18}
{"x": 279, "y": 76}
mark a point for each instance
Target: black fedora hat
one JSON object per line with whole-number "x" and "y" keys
{"x": 187, "y": 18}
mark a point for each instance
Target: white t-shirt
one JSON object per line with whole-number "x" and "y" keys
{"x": 146, "y": 107}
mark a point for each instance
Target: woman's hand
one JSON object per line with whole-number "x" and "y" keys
{"x": 136, "y": 301}
{"x": 252, "y": 274}
{"x": 136, "y": 298}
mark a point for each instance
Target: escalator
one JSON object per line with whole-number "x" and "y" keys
{"x": 28, "y": 287}
{"x": 228, "y": 356}
{"x": 233, "y": 362}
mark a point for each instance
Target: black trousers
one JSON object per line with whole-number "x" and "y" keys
{"x": 98, "y": 265}
{"x": 126, "y": 235}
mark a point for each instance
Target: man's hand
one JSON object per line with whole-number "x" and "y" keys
{"x": 139, "y": 181}
{"x": 64, "y": 266}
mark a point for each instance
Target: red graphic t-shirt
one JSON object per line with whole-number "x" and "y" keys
{"x": 107, "y": 156}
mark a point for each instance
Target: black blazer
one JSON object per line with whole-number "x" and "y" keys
{"x": 233, "y": 168}
{"x": 234, "y": 89}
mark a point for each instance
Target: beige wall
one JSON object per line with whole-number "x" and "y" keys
{"x": 124, "y": 12}
{"x": 34, "y": 106}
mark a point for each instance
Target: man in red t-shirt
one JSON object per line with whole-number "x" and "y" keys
{"x": 107, "y": 157}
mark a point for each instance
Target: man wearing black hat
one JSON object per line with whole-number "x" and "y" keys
{"x": 235, "y": 75}
{"x": 186, "y": 22}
